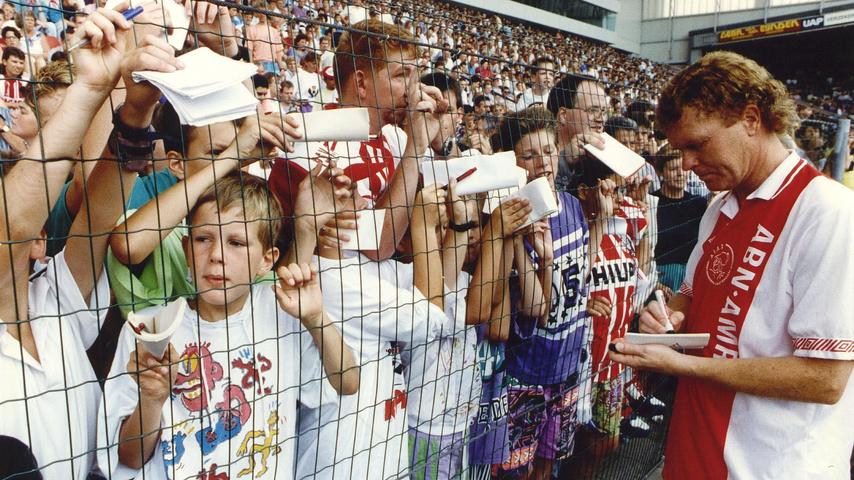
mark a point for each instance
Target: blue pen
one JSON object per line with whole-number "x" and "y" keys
{"x": 129, "y": 15}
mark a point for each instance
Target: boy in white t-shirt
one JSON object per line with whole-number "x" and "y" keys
{"x": 246, "y": 356}
{"x": 50, "y": 394}
{"x": 379, "y": 305}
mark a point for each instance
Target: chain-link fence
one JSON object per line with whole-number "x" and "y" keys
{"x": 327, "y": 240}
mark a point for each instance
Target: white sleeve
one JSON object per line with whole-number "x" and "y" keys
{"x": 392, "y": 313}
{"x": 85, "y": 317}
{"x": 821, "y": 269}
{"x": 121, "y": 396}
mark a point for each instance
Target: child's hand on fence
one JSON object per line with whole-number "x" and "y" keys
{"x": 260, "y": 134}
{"x": 428, "y": 203}
{"x": 599, "y": 307}
{"x": 425, "y": 106}
{"x": 298, "y": 293}
{"x": 541, "y": 239}
{"x": 599, "y": 201}
{"x": 509, "y": 216}
{"x": 459, "y": 207}
{"x": 323, "y": 194}
{"x": 154, "y": 376}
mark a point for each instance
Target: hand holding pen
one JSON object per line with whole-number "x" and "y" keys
{"x": 128, "y": 15}
{"x": 662, "y": 304}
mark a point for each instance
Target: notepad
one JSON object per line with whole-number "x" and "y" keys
{"x": 493, "y": 172}
{"x": 207, "y": 90}
{"x": 687, "y": 341}
{"x": 368, "y": 232}
{"x": 336, "y": 125}
{"x": 541, "y": 197}
{"x": 618, "y": 157}
{"x": 155, "y": 332}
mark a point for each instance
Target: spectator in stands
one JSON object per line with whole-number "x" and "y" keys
{"x": 579, "y": 104}
{"x": 13, "y": 71}
{"x": 265, "y": 44}
{"x": 299, "y": 47}
{"x": 544, "y": 78}
{"x": 678, "y": 215}
{"x": 290, "y": 70}
{"x": 286, "y": 97}
{"x": 72, "y": 287}
{"x": 308, "y": 83}
{"x": 775, "y": 365}
{"x": 35, "y": 42}
{"x": 549, "y": 298}
{"x": 329, "y": 91}
{"x": 11, "y": 37}
{"x": 261, "y": 84}
{"x": 470, "y": 135}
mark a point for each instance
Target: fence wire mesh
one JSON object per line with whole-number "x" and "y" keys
{"x": 283, "y": 294}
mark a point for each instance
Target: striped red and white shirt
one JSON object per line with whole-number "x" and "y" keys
{"x": 770, "y": 277}
{"x": 614, "y": 276}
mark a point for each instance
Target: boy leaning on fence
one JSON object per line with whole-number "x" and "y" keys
{"x": 231, "y": 402}
{"x": 50, "y": 394}
{"x": 545, "y": 335}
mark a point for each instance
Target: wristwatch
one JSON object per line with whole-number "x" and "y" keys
{"x": 5, "y": 129}
{"x": 464, "y": 227}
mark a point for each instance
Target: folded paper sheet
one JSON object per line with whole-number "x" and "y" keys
{"x": 493, "y": 172}
{"x": 677, "y": 340}
{"x": 541, "y": 196}
{"x": 495, "y": 197}
{"x": 368, "y": 233}
{"x": 618, "y": 157}
{"x": 208, "y": 89}
{"x": 155, "y": 332}
{"x": 336, "y": 125}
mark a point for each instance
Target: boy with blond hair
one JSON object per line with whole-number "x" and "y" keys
{"x": 231, "y": 399}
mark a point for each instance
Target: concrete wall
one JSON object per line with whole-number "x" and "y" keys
{"x": 656, "y": 34}
{"x": 628, "y": 29}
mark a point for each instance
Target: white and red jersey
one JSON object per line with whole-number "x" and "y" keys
{"x": 614, "y": 276}
{"x": 370, "y": 165}
{"x": 766, "y": 280}
{"x": 13, "y": 90}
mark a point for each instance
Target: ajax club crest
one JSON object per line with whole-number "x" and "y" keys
{"x": 720, "y": 263}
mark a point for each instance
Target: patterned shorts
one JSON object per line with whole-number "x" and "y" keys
{"x": 608, "y": 405}
{"x": 541, "y": 423}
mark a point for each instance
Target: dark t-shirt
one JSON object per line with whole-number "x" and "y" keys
{"x": 678, "y": 227}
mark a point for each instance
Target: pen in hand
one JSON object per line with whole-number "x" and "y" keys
{"x": 659, "y": 298}
{"x": 129, "y": 15}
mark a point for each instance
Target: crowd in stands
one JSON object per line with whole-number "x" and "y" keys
{"x": 463, "y": 343}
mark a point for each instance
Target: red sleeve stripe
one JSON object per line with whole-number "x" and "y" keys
{"x": 835, "y": 345}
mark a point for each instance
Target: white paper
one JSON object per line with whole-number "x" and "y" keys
{"x": 156, "y": 331}
{"x": 204, "y": 72}
{"x": 618, "y": 157}
{"x": 541, "y": 197}
{"x": 336, "y": 125}
{"x": 676, "y": 340}
{"x": 495, "y": 197}
{"x": 368, "y": 233}
{"x": 209, "y": 89}
{"x": 178, "y": 21}
{"x": 493, "y": 172}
